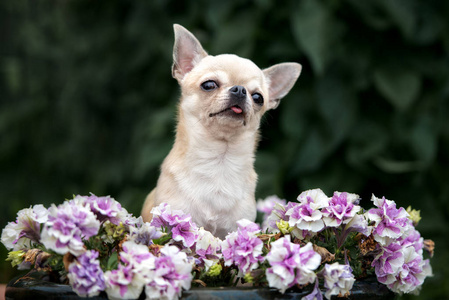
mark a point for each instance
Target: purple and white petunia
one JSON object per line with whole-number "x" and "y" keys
{"x": 107, "y": 209}
{"x": 123, "y": 283}
{"x": 182, "y": 227}
{"x": 342, "y": 208}
{"x": 309, "y": 262}
{"x": 307, "y": 215}
{"x": 86, "y": 276}
{"x": 68, "y": 224}
{"x": 291, "y": 264}
{"x": 266, "y": 206}
{"x": 390, "y": 222}
{"x": 338, "y": 279}
{"x": 26, "y": 229}
{"x": 276, "y": 216}
{"x": 284, "y": 260}
{"x": 137, "y": 256}
{"x": 243, "y": 248}
{"x": 170, "y": 275}
{"x": 207, "y": 249}
{"x": 144, "y": 234}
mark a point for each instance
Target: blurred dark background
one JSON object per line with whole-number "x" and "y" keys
{"x": 88, "y": 104}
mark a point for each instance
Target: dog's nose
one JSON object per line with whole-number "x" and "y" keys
{"x": 238, "y": 91}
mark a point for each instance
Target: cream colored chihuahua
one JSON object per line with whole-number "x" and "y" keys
{"x": 209, "y": 173}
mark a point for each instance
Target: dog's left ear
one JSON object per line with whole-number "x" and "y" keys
{"x": 281, "y": 78}
{"x": 187, "y": 52}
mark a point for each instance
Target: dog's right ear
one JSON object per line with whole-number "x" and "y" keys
{"x": 187, "y": 52}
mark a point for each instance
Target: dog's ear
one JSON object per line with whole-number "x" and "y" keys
{"x": 187, "y": 52}
{"x": 281, "y": 78}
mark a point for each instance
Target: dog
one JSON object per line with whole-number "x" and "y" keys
{"x": 209, "y": 172}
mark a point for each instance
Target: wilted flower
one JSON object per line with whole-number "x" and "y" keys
{"x": 207, "y": 248}
{"x": 171, "y": 274}
{"x": 338, "y": 279}
{"x": 68, "y": 224}
{"x": 342, "y": 208}
{"x": 86, "y": 276}
{"x": 390, "y": 222}
{"x": 26, "y": 229}
{"x": 242, "y": 247}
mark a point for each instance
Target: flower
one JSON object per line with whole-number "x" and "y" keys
{"x": 68, "y": 224}
{"x": 171, "y": 274}
{"x": 284, "y": 260}
{"x": 137, "y": 256}
{"x": 277, "y": 215}
{"x": 16, "y": 257}
{"x": 359, "y": 224}
{"x": 181, "y": 225}
{"x": 123, "y": 283}
{"x": 310, "y": 261}
{"x": 144, "y": 234}
{"x": 414, "y": 215}
{"x": 388, "y": 263}
{"x": 242, "y": 247}
{"x": 412, "y": 273}
{"x": 307, "y": 214}
{"x": 342, "y": 208}
{"x": 266, "y": 206}
{"x": 26, "y": 229}
{"x": 207, "y": 249}
{"x": 106, "y": 208}
{"x": 338, "y": 279}
{"x": 390, "y": 222}
{"x": 86, "y": 276}
{"x": 214, "y": 270}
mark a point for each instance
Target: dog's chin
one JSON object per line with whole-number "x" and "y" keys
{"x": 233, "y": 115}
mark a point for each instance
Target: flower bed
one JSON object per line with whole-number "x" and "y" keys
{"x": 95, "y": 245}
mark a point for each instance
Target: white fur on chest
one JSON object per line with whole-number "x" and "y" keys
{"x": 215, "y": 183}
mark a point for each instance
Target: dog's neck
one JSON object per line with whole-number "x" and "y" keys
{"x": 198, "y": 143}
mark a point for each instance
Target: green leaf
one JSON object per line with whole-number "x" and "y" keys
{"x": 400, "y": 87}
{"x": 317, "y": 32}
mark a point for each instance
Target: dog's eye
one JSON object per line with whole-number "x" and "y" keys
{"x": 257, "y": 98}
{"x": 209, "y": 85}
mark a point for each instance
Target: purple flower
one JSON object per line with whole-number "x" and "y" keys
{"x": 106, "y": 209}
{"x": 207, "y": 249}
{"x": 86, "y": 276}
{"x": 342, "y": 208}
{"x": 284, "y": 260}
{"x": 181, "y": 225}
{"x": 315, "y": 294}
{"x": 277, "y": 214}
{"x": 26, "y": 229}
{"x": 388, "y": 262}
{"x": 242, "y": 247}
{"x": 338, "y": 279}
{"x": 412, "y": 273}
{"x": 171, "y": 274}
{"x": 307, "y": 214}
{"x": 390, "y": 222}
{"x": 123, "y": 283}
{"x": 144, "y": 234}
{"x": 137, "y": 256}
{"x": 291, "y": 264}
{"x": 310, "y": 261}
{"x": 68, "y": 224}
{"x": 266, "y": 206}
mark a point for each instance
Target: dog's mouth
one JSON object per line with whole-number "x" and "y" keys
{"x": 234, "y": 110}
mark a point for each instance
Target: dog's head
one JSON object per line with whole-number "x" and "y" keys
{"x": 227, "y": 94}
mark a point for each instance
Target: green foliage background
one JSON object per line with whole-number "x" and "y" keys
{"x": 88, "y": 103}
